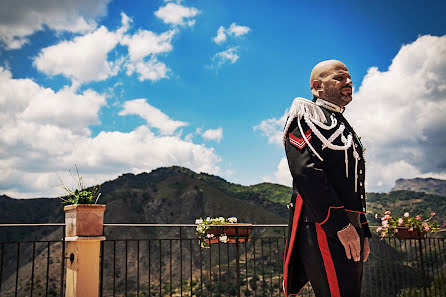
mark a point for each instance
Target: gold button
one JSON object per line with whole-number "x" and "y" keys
{"x": 360, "y": 184}
{"x": 360, "y": 171}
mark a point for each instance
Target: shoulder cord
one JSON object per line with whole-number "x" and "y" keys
{"x": 334, "y": 122}
{"x": 306, "y": 140}
{"x": 328, "y": 143}
{"x": 356, "y": 155}
{"x": 335, "y": 134}
{"x": 324, "y": 140}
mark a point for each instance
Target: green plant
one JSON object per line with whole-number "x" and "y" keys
{"x": 79, "y": 194}
{"x": 391, "y": 225}
{"x": 203, "y": 225}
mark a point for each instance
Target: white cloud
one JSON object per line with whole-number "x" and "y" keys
{"x": 84, "y": 58}
{"x": 282, "y": 174}
{"x": 400, "y": 114}
{"x": 213, "y": 134}
{"x": 153, "y": 116}
{"x": 221, "y": 35}
{"x": 233, "y": 30}
{"x": 228, "y": 56}
{"x": 42, "y": 131}
{"x": 148, "y": 70}
{"x": 176, "y": 14}
{"x": 237, "y": 30}
{"x": 146, "y": 43}
{"x": 273, "y": 128}
{"x": 20, "y": 19}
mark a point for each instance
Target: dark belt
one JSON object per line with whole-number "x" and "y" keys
{"x": 354, "y": 218}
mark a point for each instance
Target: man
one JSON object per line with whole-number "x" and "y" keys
{"x": 328, "y": 232}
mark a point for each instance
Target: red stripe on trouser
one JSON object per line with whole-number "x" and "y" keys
{"x": 328, "y": 262}
{"x": 296, "y": 216}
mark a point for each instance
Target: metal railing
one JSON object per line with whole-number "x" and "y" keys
{"x": 166, "y": 260}
{"x": 33, "y": 267}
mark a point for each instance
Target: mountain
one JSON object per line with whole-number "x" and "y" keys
{"x": 174, "y": 195}
{"x": 399, "y": 202}
{"x": 427, "y": 185}
{"x": 165, "y": 195}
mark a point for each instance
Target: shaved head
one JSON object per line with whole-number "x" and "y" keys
{"x": 331, "y": 81}
{"x": 324, "y": 68}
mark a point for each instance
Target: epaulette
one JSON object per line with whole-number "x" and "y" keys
{"x": 301, "y": 107}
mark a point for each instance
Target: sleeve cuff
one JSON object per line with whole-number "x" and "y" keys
{"x": 336, "y": 220}
{"x": 365, "y": 227}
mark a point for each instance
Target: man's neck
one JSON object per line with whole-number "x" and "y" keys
{"x": 329, "y": 105}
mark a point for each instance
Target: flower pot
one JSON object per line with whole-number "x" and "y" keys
{"x": 84, "y": 220}
{"x": 234, "y": 231}
{"x": 404, "y": 233}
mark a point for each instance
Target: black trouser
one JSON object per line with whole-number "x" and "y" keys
{"x": 326, "y": 265}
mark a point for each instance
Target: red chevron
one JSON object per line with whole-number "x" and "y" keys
{"x": 299, "y": 142}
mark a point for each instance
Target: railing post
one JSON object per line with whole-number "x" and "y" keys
{"x": 83, "y": 235}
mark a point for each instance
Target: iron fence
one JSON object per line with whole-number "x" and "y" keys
{"x": 166, "y": 260}
{"x": 33, "y": 267}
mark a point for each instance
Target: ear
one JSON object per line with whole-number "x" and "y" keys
{"x": 316, "y": 84}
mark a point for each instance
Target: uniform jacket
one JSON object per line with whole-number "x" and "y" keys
{"x": 323, "y": 190}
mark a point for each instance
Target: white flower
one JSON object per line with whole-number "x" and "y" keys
{"x": 385, "y": 223}
{"x": 199, "y": 221}
{"x": 210, "y": 235}
{"x": 232, "y": 220}
{"x": 221, "y": 219}
{"x": 400, "y": 221}
{"x": 406, "y": 215}
{"x": 379, "y": 229}
{"x": 223, "y": 238}
{"x": 208, "y": 219}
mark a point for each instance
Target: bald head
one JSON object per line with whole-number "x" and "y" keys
{"x": 324, "y": 68}
{"x": 331, "y": 81}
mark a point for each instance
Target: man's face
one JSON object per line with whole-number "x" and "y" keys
{"x": 336, "y": 85}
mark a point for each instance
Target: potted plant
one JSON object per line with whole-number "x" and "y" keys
{"x": 406, "y": 227}
{"x": 214, "y": 230}
{"x": 83, "y": 217}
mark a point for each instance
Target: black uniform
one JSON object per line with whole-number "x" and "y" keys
{"x": 327, "y": 196}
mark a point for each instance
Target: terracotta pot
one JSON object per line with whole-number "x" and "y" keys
{"x": 84, "y": 220}
{"x": 404, "y": 233}
{"x": 233, "y": 231}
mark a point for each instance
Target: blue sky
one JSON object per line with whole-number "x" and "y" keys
{"x": 129, "y": 86}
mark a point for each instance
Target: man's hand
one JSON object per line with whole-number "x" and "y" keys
{"x": 366, "y": 249}
{"x": 351, "y": 242}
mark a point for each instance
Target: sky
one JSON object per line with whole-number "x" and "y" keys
{"x": 117, "y": 87}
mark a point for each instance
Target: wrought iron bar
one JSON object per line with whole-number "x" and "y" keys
{"x": 170, "y": 267}
{"x": 1, "y": 269}
{"x": 190, "y": 254}
{"x": 47, "y": 269}
{"x": 181, "y": 263}
{"x": 32, "y": 269}
{"x": 150, "y": 267}
{"x": 17, "y": 270}
{"x": 114, "y": 267}
{"x": 126, "y": 261}
{"x": 62, "y": 268}
{"x": 137, "y": 268}
{"x": 255, "y": 269}
{"x": 160, "y": 268}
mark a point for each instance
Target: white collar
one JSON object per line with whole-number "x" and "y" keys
{"x": 328, "y": 105}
